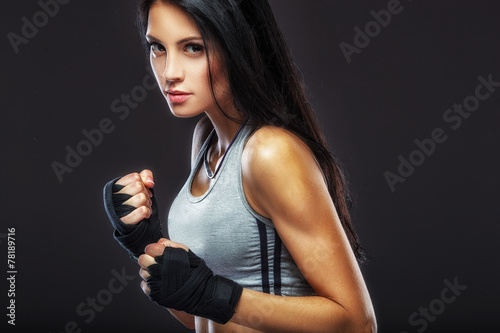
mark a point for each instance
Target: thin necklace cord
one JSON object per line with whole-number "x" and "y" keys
{"x": 211, "y": 175}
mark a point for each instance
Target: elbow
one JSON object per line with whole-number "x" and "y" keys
{"x": 370, "y": 327}
{"x": 367, "y": 325}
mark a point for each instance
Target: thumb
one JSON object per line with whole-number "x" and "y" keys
{"x": 147, "y": 178}
{"x": 167, "y": 242}
{"x": 154, "y": 250}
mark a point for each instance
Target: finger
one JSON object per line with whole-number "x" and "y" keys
{"x": 137, "y": 215}
{"x": 144, "y": 273}
{"x": 169, "y": 243}
{"x": 133, "y": 184}
{"x": 130, "y": 178}
{"x": 135, "y": 188}
{"x": 145, "y": 260}
{"x": 154, "y": 250}
{"x": 145, "y": 287}
{"x": 140, "y": 199}
{"x": 147, "y": 178}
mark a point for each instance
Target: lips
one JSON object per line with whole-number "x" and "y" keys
{"x": 176, "y": 96}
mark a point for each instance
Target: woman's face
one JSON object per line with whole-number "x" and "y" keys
{"x": 178, "y": 58}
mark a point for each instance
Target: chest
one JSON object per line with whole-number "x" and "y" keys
{"x": 220, "y": 230}
{"x": 201, "y": 183}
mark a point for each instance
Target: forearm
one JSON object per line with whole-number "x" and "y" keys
{"x": 185, "y": 318}
{"x": 270, "y": 313}
{"x": 176, "y": 278}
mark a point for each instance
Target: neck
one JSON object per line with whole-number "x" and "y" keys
{"x": 225, "y": 129}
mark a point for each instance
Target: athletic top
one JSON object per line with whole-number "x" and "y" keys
{"x": 234, "y": 240}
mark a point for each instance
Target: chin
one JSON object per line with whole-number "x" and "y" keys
{"x": 178, "y": 113}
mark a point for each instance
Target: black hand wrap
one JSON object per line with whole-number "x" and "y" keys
{"x": 134, "y": 238}
{"x": 182, "y": 281}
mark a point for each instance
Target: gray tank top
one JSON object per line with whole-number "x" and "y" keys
{"x": 234, "y": 240}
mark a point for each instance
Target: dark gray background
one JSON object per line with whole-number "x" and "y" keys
{"x": 440, "y": 224}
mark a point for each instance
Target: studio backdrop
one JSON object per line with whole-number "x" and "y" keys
{"x": 407, "y": 93}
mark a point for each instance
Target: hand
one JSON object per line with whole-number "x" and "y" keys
{"x": 128, "y": 201}
{"x": 137, "y": 185}
{"x": 148, "y": 259}
{"x": 176, "y": 278}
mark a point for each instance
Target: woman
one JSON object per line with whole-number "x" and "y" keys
{"x": 259, "y": 238}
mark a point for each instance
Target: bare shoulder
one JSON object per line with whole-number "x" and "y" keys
{"x": 275, "y": 148}
{"x": 200, "y": 134}
{"x": 277, "y": 164}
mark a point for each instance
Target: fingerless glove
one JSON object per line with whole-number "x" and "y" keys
{"x": 182, "y": 281}
{"x": 134, "y": 238}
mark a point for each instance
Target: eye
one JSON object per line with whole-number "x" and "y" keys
{"x": 156, "y": 47}
{"x": 193, "y": 48}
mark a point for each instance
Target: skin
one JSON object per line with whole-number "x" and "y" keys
{"x": 281, "y": 181}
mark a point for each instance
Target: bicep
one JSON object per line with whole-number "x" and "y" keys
{"x": 285, "y": 181}
{"x": 310, "y": 229}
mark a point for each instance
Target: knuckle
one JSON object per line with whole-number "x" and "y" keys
{"x": 129, "y": 179}
{"x": 141, "y": 213}
{"x": 147, "y": 212}
{"x": 142, "y": 198}
{"x": 138, "y": 185}
{"x": 135, "y": 177}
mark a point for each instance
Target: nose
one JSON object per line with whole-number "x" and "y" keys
{"x": 173, "y": 70}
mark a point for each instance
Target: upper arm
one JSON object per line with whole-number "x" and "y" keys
{"x": 283, "y": 180}
{"x": 200, "y": 134}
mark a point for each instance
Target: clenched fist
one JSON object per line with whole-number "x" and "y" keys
{"x": 133, "y": 212}
{"x": 137, "y": 186}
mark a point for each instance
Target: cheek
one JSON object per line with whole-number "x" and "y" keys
{"x": 158, "y": 69}
{"x": 220, "y": 82}
{"x": 198, "y": 72}
{"x": 215, "y": 67}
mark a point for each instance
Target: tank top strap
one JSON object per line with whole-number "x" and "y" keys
{"x": 240, "y": 141}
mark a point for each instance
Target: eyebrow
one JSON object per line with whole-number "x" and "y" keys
{"x": 182, "y": 41}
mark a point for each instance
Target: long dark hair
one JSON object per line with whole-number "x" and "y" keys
{"x": 264, "y": 81}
